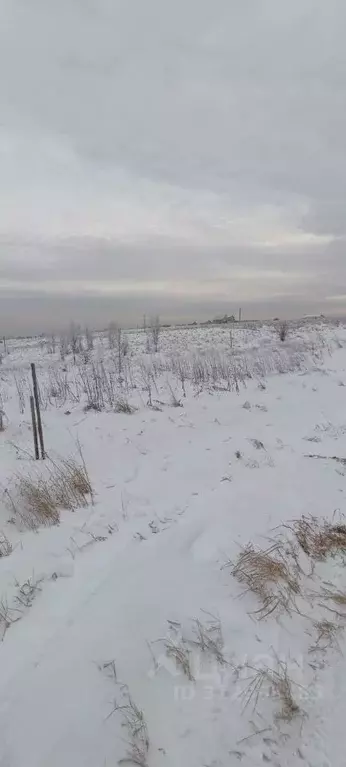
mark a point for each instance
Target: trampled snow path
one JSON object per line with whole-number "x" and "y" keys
{"x": 174, "y": 503}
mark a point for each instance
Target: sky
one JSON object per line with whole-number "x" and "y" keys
{"x": 185, "y": 157}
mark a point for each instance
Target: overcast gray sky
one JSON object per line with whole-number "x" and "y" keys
{"x": 181, "y": 156}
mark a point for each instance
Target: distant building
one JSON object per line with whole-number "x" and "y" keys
{"x": 224, "y": 320}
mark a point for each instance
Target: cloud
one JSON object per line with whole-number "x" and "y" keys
{"x": 183, "y": 152}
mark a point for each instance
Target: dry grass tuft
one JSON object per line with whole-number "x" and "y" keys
{"x": 319, "y": 538}
{"x": 122, "y": 405}
{"x": 38, "y": 498}
{"x": 257, "y": 444}
{"x": 27, "y": 592}
{"x": 74, "y": 476}
{"x": 139, "y": 743}
{"x": 336, "y": 596}
{"x": 8, "y": 615}
{"x": 274, "y": 683}
{"x": 327, "y": 633}
{"x": 271, "y": 574}
{"x": 176, "y": 648}
{"x": 37, "y": 504}
{"x": 209, "y": 638}
{"x": 5, "y": 546}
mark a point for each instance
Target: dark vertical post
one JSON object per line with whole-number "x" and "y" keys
{"x": 34, "y": 427}
{"x": 38, "y": 411}
{"x": 239, "y": 315}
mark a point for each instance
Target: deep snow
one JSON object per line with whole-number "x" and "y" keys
{"x": 116, "y": 582}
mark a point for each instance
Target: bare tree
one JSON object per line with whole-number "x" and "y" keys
{"x": 112, "y": 332}
{"x": 155, "y": 329}
{"x": 121, "y": 347}
{"x": 283, "y": 331}
{"x": 64, "y": 346}
{"x": 89, "y": 338}
{"x": 75, "y": 338}
{"x": 51, "y": 344}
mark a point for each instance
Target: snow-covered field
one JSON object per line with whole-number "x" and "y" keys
{"x": 126, "y": 636}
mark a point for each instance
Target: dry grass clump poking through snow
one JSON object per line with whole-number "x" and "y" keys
{"x": 176, "y": 648}
{"x": 138, "y": 746}
{"x": 8, "y": 615}
{"x": 274, "y": 683}
{"x": 122, "y": 405}
{"x": 335, "y": 596}
{"x": 37, "y": 498}
{"x": 319, "y": 538}
{"x": 35, "y": 502}
{"x": 5, "y": 546}
{"x": 208, "y": 637}
{"x": 271, "y": 574}
{"x": 327, "y": 634}
{"x": 72, "y": 479}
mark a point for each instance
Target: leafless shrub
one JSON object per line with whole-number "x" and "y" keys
{"x": 199, "y": 372}
{"x": 2, "y": 424}
{"x": 271, "y": 574}
{"x": 91, "y": 406}
{"x": 122, "y": 405}
{"x": 277, "y": 684}
{"x": 75, "y": 340}
{"x": 209, "y": 638}
{"x": 60, "y": 388}
{"x": 89, "y": 339}
{"x": 99, "y": 385}
{"x": 147, "y": 377}
{"x": 283, "y": 331}
{"x": 20, "y": 383}
{"x": 147, "y": 339}
{"x": 93, "y": 383}
{"x": 64, "y": 347}
{"x": 112, "y": 329}
{"x": 155, "y": 330}
{"x": 175, "y": 402}
{"x": 119, "y": 343}
{"x": 51, "y": 344}
{"x": 319, "y": 538}
{"x": 5, "y": 546}
{"x": 125, "y": 345}
{"x": 180, "y": 368}
{"x": 86, "y": 355}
